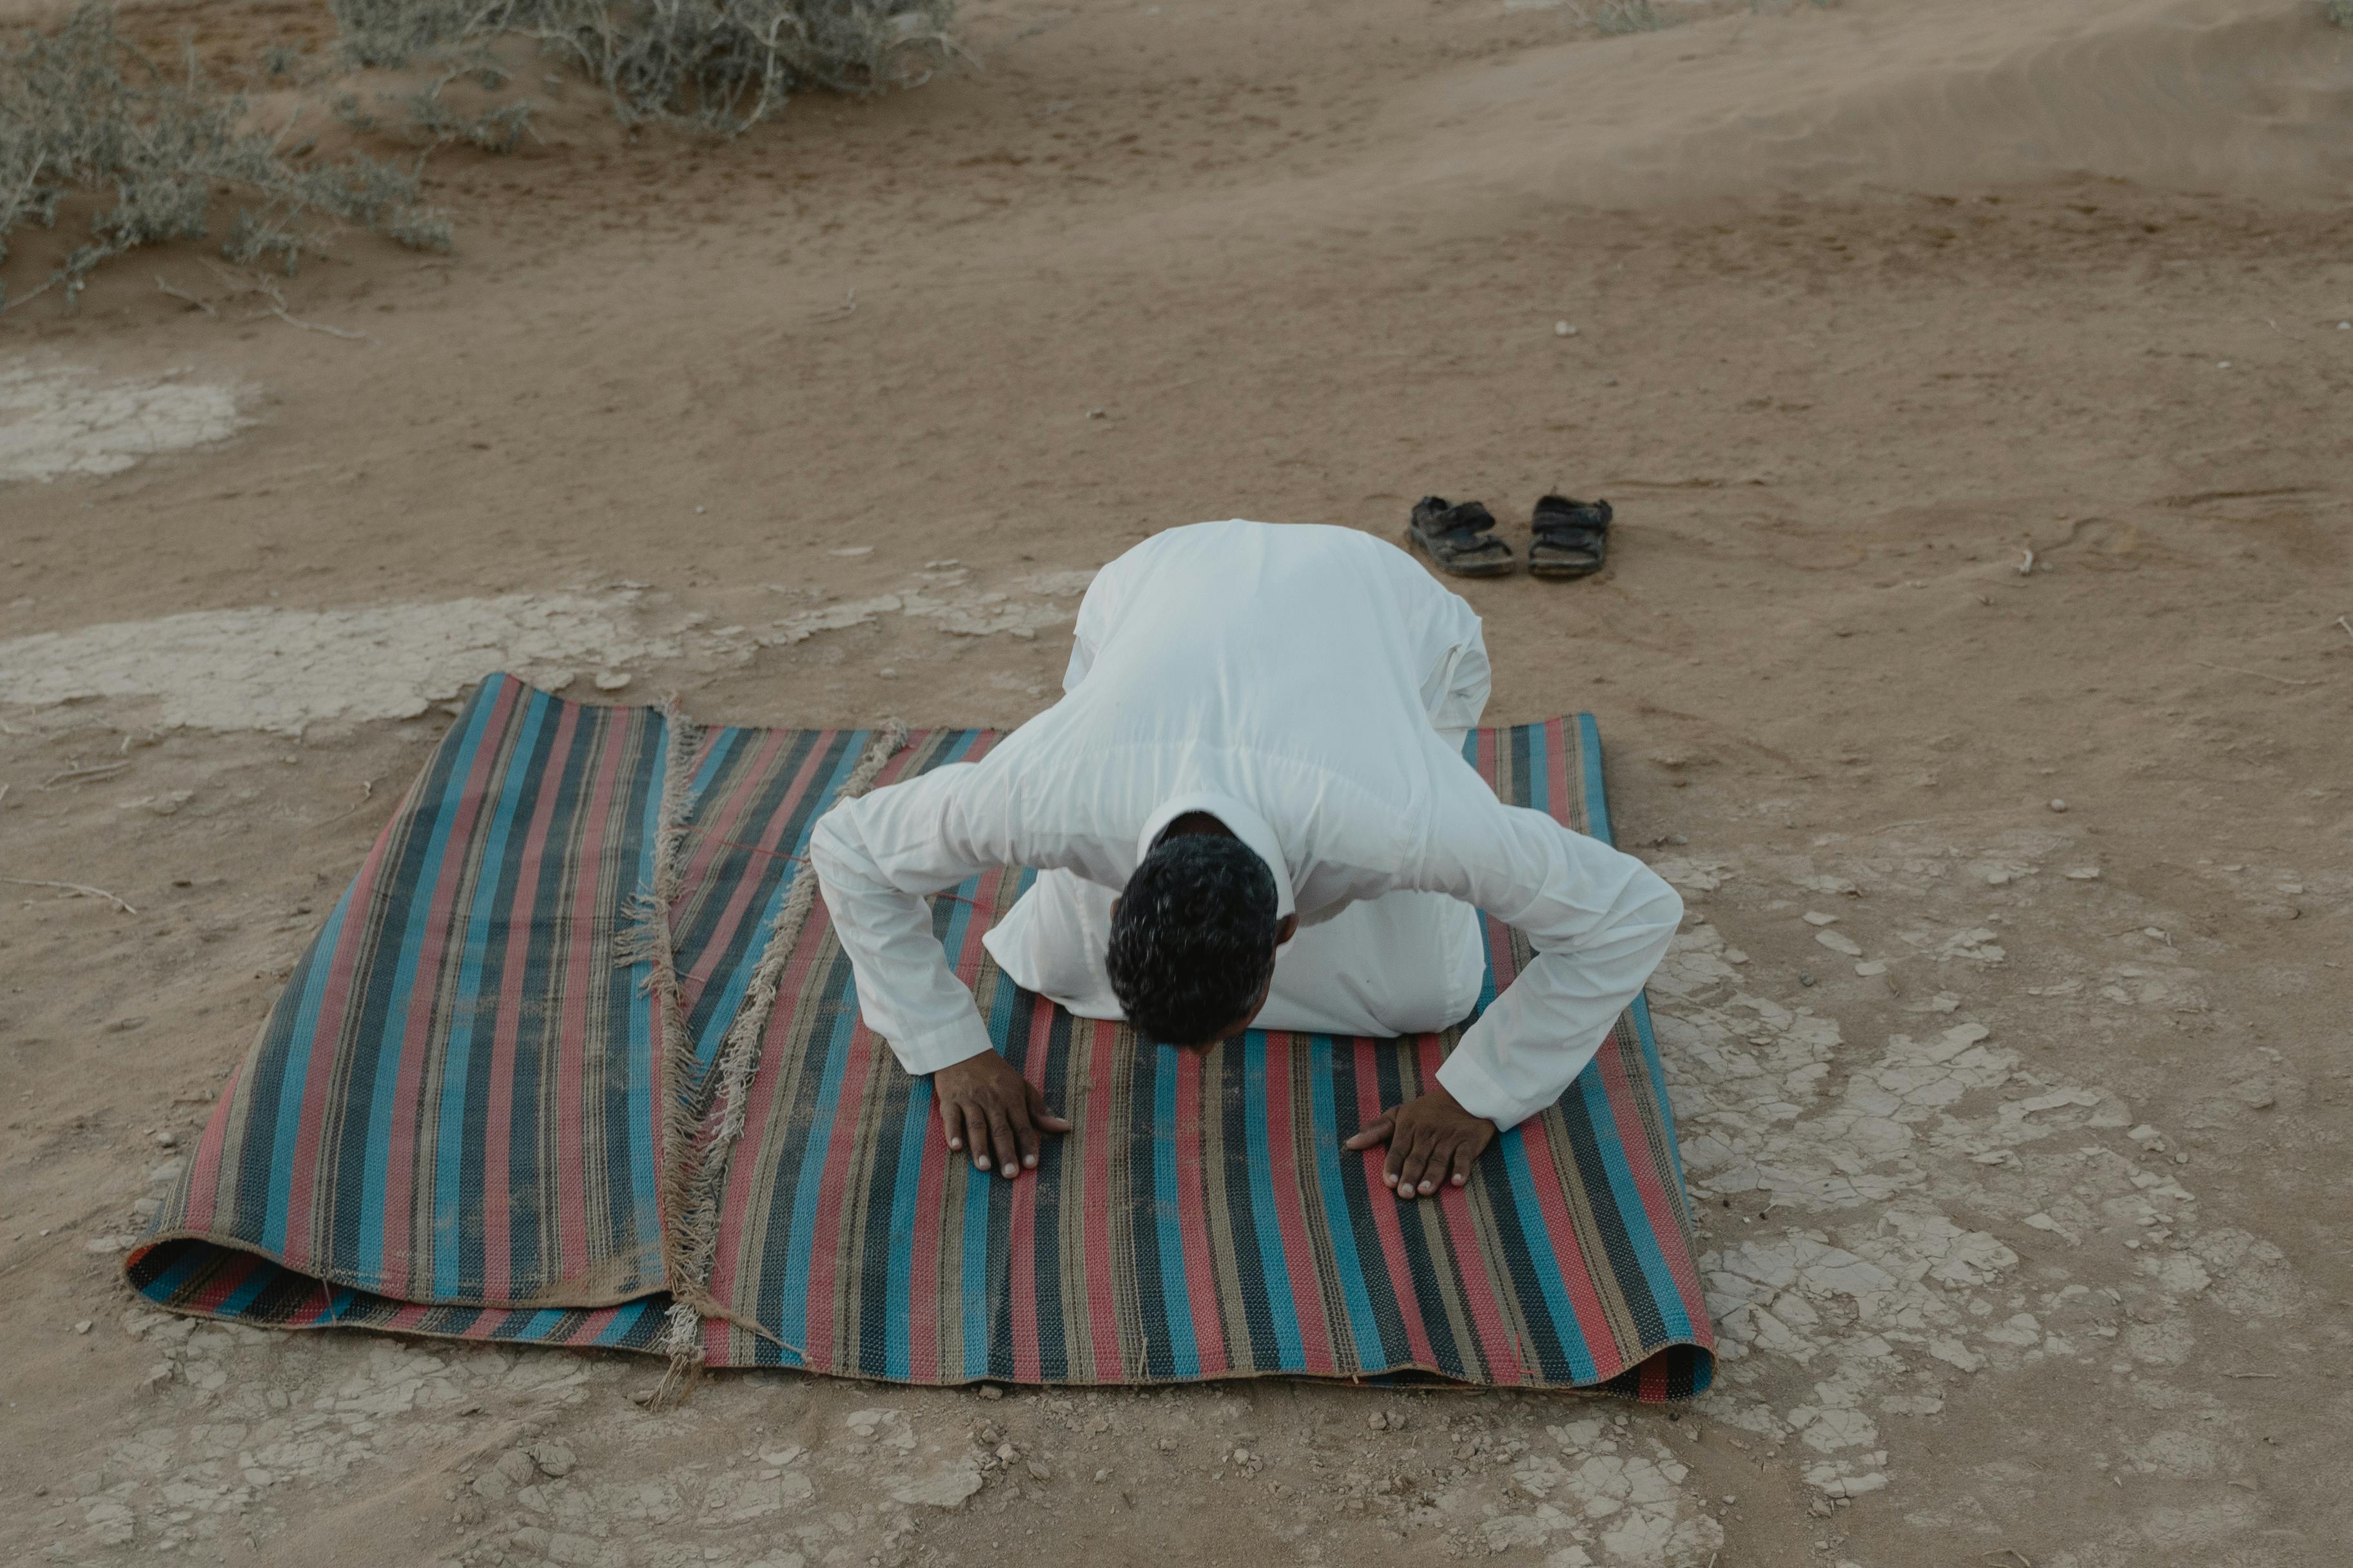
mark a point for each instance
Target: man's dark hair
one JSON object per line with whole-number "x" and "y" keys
{"x": 1193, "y": 941}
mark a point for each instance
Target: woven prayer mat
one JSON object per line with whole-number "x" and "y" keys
{"x": 577, "y": 1060}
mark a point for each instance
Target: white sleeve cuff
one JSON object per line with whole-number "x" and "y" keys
{"x": 1474, "y": 1088}
{"x": 944, "y": 1047}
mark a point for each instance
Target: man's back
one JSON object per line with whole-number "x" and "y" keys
{"x": 1225, "y": 649}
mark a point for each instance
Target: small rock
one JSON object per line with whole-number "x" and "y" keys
{"x": 1007, "y": 1452}
{"x": 124, "y": 1025}
{"x": 1167, "y": 1444}
{"x": 167, "y": 1140}
{"x": 552, "y": 1458}
{"x": 852, "y": 549}
{"x": 83, "y": 1327}
{"x": 1040, "y": 1471}
{"x": 888, "y": 673}
{"x": 1805, "y": 979}
{"x": 1869, "y": 967}
{"x": 641, "y": 1397}
{"x": 1814, "y": 918}
{"x": 1377, "y": 1421}
{"x": 611, "y": 679}
{"x": 1101, "y": 1476}
{"x": 2084, "y": 874}
{"x": 990, "y": 1390}
{"x": 951, "y": 1488}
{"x": 1562, "y": 330}
{"x": 1839, "y": 942}
{"x": 2058, "y": 805}
{"x": 2255, "y": 1093}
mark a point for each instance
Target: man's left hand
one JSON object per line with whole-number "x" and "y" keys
{"x": 1432, "y": 1139}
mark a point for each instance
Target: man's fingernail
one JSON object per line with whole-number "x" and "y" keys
{"x": 1428, "y": 1186}
{"x": 1030, "y": 1159}
{"x": 980, "y": 1161}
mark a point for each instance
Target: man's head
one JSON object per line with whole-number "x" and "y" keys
{"x": 1193, "y": 937}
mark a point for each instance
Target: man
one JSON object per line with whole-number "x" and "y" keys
{"x": 1250, "y": 808}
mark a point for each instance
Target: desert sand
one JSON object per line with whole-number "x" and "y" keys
{"x": 1971, "y": 383}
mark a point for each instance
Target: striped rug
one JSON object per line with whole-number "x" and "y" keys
{"x": 497, "y": 1102}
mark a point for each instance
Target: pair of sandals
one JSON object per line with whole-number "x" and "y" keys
{"x": 1572, "y": 538}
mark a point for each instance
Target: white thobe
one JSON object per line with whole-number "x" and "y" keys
{"x": 1310, "y": 688}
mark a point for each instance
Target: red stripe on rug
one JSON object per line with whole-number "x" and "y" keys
{"x": 716, "y": 829}
{"x": 823, "y": 1346}
{"x": 924, "y": 1268}
{"x": 318, "y": 1080}
{"x": 1102, "y": 1310}
{"x": 1291, "y": 1215}
{"x": 1557, "y": 745}
{"x": 204, "y": 1178}
{"x": 498, "y": 1122}
{"x": 1495, "y": 1347}
{"x": 1023, "y": 1282}
{"x": 587, "y": 971}
{"x": 1592, "y": 1319}
{"x": 1192, "y": 1221}
{"x": 222, "y": 1285}
{"x": 400, "y": 1163}
{"x": 1385, "y": 1224}
{"x": 1664, "y": 1222}
{"x": 723, "y": 933}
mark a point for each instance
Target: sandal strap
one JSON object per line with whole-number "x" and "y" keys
{"x": 1564, "y": 521}
{"x": 1459, "y": 525}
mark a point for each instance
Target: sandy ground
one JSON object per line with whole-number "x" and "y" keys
{"x": 1971, "y": 385}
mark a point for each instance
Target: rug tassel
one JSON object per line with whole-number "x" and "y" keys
{"x": 692, "y": 1228}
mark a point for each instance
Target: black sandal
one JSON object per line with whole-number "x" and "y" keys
{"x": 1456, "y": 537}
{"x": 1572, "y": 538}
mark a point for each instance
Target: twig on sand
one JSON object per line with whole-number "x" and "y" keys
{"x": 2026, "y": 566}
{"x": 206, "y": 306}
{"x": 2259, "y": 675}
{"x": 248, "y": 283}
{"x": 2346, "y": 624}
{"x": 4, "y": 791}
{"x": 72, "y": 887}
{"x": 2254, "y": 1374}
{"x": 80, "y": 774}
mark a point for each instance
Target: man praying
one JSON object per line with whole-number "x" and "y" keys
{"x": 1250, "y": 809}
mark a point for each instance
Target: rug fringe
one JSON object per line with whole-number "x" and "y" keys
{"x": 692, "y": 1230}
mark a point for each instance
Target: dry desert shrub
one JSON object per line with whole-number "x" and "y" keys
{"x": 86, "y": 119}
{"x": 84, "y": 114}
{"x": 717, "y": 65}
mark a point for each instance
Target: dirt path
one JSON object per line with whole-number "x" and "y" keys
{"x": 1970, "y": 384}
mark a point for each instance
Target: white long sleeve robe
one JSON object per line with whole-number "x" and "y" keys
{"x": 1310, "y": 687}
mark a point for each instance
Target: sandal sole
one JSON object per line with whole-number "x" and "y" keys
{"x": 1503, "y": 568}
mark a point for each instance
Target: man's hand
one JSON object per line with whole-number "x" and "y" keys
{"x": 1432, "y": 1139}
{"x": 987, "y": 1105}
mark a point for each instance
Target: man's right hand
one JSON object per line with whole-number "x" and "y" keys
{"x": 991, "y": 1109}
